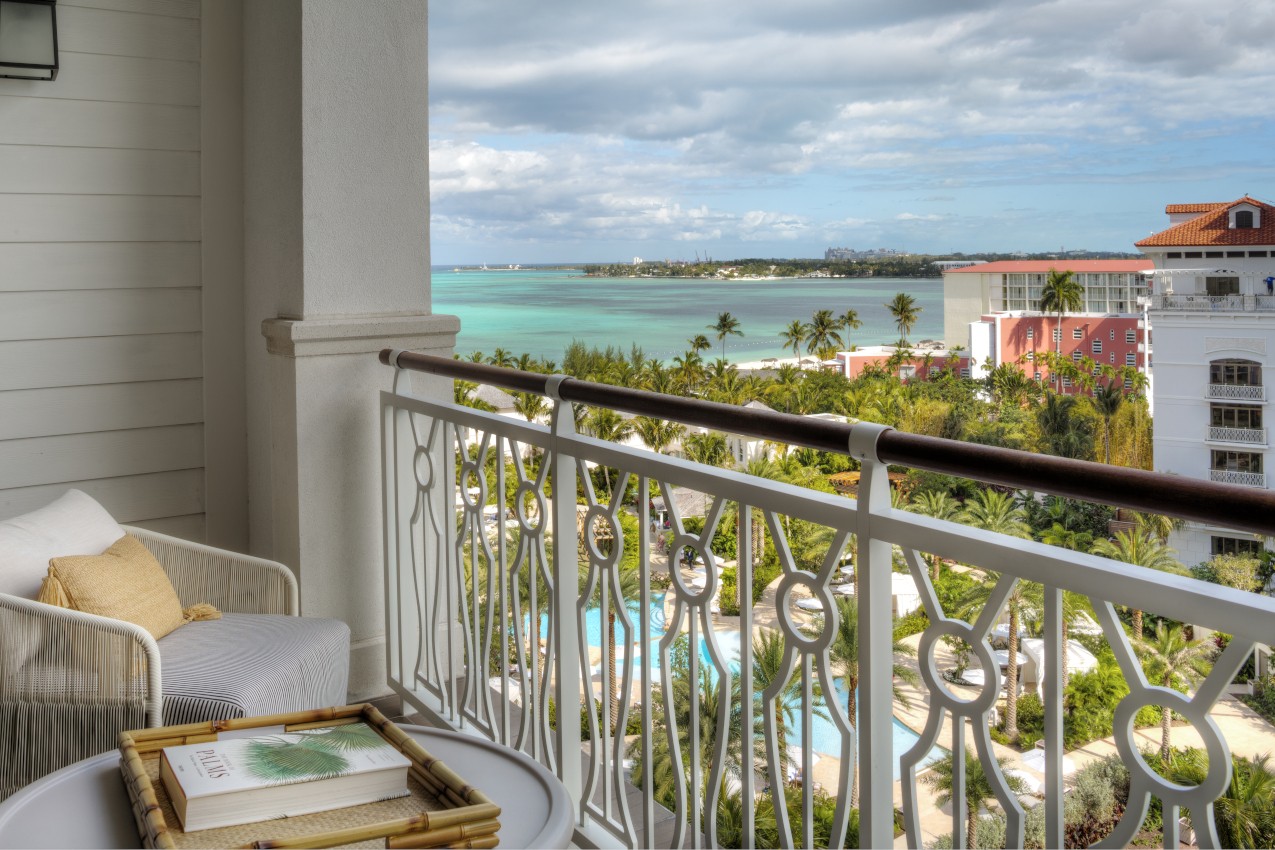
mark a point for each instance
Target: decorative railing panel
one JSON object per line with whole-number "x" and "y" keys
{"x": 1244, "y": 479}
{"x": 520, "y": 577}
{"x": 1213, "y": 303}
{"x": 1240, "y": 391}
{"x": 1248, "y": 436}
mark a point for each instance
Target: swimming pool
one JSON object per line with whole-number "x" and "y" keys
{"x": 825, "y": 736}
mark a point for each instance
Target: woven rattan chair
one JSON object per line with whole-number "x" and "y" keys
{"x": 70, "y": 682}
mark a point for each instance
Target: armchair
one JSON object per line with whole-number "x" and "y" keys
{"x": 71, "y": 681}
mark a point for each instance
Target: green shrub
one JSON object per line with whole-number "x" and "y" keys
{"x": 1263, "y": 699}
{"x": 911, "y": 624}
{"x": 1091, "y": 702}
{"x": 729, "y": 593}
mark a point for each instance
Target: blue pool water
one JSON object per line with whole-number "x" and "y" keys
{"x": 825, "y": 736}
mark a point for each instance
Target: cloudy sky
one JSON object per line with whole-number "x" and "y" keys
{"x": 579, "y": 130}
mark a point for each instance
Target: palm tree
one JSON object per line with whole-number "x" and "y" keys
{"x": 992, "y": 510}
{"x": 629, "y": 587}
{"x": 794, "y": 335}
{"x": 1141, "y": 549}
{"x": 708, "y": 448}
{"x": 605, "y": 424}
{"x": 849, "y": 321}
{"x": 1245, "y": 813}
{"x": 531, "y": 406}
{"x": 501, "y": 357}
{"x": 726, "y": 325}
{"x": 978, "y": 788}
{"x": 658, "y": 434}
{"x": 1060, "y": 294}
{"x": 905, "y": 313}
{"x": 822, "y": 331}
{"x": 1065, "y": 433}
{"x": 938, "y": 504}
{"x": 1107, "y": 401}
{"x": 699, "y": 343}
{"x": 844, "y": 652}
{"x": 1175, "y": 661}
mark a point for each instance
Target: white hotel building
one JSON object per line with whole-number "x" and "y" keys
{"x": 1213, "y": 310}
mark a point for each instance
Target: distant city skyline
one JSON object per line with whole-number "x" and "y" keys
{"x": 572, "y": 133}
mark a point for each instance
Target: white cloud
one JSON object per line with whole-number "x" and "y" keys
{"x": 785, "y": 122}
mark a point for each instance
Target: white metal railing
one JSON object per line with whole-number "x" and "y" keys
{"x": 1254, "y": 392}
{"x": 1248, "y": 436}
{"x": 1244, "y": 479}
{"x": 488, "y": 622}
{"x": 1213, "y": 303}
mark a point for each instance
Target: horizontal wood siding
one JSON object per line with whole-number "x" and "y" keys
{"x": 101, "y": 372}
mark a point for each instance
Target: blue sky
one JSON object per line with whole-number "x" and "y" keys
{"x": 573, "y": 130}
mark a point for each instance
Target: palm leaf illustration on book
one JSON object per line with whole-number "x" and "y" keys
{"x": 242, "y": 780}
{"x": 316, "y": 754}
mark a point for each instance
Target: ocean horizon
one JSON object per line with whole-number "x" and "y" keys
{"x": 541, "y": 311}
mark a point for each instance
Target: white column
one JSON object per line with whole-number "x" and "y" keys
{"x": 337, "y": 267}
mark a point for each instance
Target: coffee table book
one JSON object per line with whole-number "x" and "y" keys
{"x": 440, "y": 810}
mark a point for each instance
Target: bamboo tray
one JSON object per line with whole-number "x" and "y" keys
{"x": 441, "y": 811}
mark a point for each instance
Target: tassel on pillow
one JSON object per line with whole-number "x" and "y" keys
{"x": 52, "y": 592}
{"x": 200, "y": 612}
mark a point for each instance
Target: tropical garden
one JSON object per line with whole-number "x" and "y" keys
{"x": 1105, "y": 419}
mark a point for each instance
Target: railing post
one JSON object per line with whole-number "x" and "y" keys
{"x": 566, "y": 568}
{"x": 874, "y": 727}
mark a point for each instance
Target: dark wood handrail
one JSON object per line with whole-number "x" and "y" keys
{"x": 1222, "y": 505}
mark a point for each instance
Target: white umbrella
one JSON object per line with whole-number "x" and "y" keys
{"x": 843, "y": 589}
{"x": 1035, "y": 760}
{"x": 810, "y": 604}
{"x": 1002, "y": 657}
{"x": 1031, "y": 785}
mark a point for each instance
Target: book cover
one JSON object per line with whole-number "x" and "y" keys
{"x": 242, "y": 780}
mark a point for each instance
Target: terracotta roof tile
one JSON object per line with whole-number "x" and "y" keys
{"x": 1191, "y": 208}
{"x": 1212, "y": 228}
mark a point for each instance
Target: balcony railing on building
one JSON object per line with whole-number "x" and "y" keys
{"x": 504, "y": 575}
{"x": 1233, "y": 476}
{"x": 1237, "y": 391}
{"x": 1248, "y": 436}
{"x": 1187, "y": 303}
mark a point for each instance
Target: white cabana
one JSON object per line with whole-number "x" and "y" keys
{"x": 1079, "y": 659}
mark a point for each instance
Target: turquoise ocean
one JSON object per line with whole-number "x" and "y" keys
{"x": 541, "y": 311}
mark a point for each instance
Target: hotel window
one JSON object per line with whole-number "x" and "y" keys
{"x": 1237, "y": 461}
{"x": 1235, "y": 416}
{"x": 1113, "y": 334}
{"x": 1036, "y": 376}
{"x": 1057, "y": 334}
{"x": 1113, "y": 357}
{"x": 1031, "y": 333}
{"x": 1243, "y": 218}
{"x": 1236, "y": 546}
{"x": 1097, "y": 346}
{"x": 965, "y": 372}
{"x": 1131, "y": 359}
{"x": 1097, "y": 370}
{"x": 1130, "y": 337}
{"x": 1077, "y": 333}
{"x": 1128, "y": 383}
{"x": 1076, "y": 355}
{"x": 1066, "y": 381}
{"x": 1031, "y": 355}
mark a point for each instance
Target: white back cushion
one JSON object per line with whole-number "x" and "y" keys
{"x": 74, "y": 524}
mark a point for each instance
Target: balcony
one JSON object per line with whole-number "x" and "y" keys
{"x": 1246, "y": 392}
{"x": 1246, "y": 436}
{"x": 1243, "y": 479}
{"x": 1181, "y": 303}
{"x": 497, "y": 626}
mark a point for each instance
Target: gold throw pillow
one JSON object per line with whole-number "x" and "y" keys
{"x": 124, "y": 583}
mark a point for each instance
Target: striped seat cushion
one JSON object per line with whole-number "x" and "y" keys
{"x": 244, "y": 665}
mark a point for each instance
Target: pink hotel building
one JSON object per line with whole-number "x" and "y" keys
{"x": 996, "y": 307}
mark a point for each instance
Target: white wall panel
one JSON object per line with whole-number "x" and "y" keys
{"x": 101, "y": 331}
{"x": 129, "y": 499}
{"x": 85, "y": 76}
{"x": 35, "y": 120}
{"x": 97, "y": 312}
{"x": 172, "y": 8}
{"x": 97, "y": 171}
{"x": 149, "y": 36}
{"x": 99, "y": 360}
{"x": 193, "y": 527}
{"x": 74, "y": 457}
{"x": 98, "y": 218}
{"x": 48, "y": 266}
{"x": 54, "y": 411}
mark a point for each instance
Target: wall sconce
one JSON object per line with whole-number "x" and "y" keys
{"x": 28, "y": 39}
